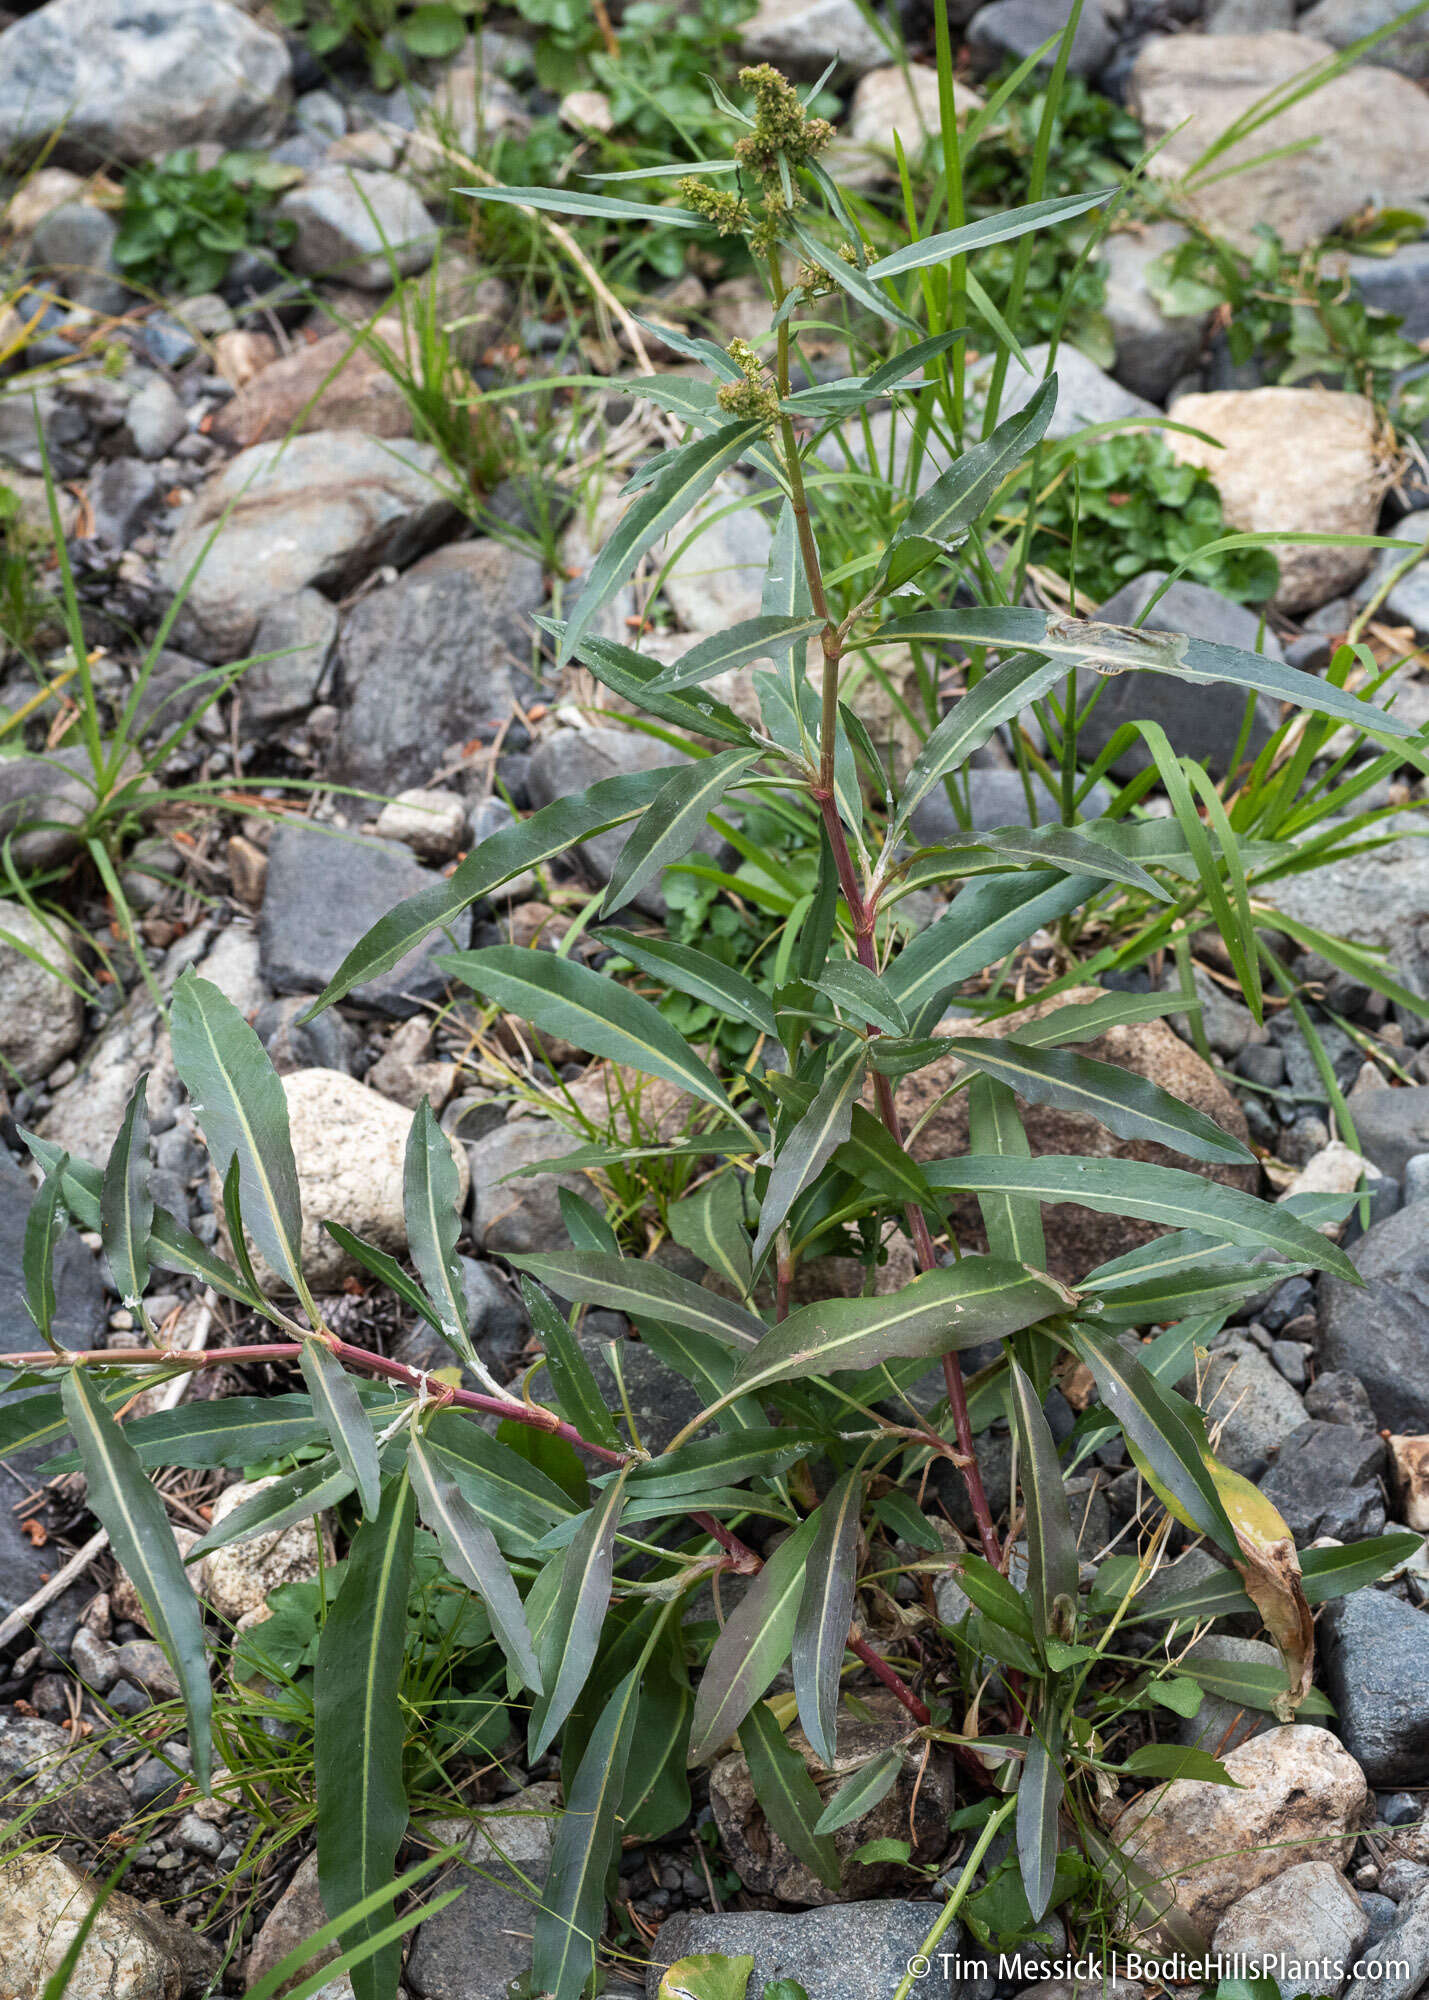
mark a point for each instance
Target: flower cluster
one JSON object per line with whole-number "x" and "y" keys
{"x": 783, "y": 129}
{"x": 755, "y": 398}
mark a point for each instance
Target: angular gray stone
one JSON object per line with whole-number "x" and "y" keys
{"x": 41, "y": 1009}
{"x": 122, "y": 493}
{"x": 1249, "y": 1401}
{"x": 323, "y": 509}
{"x": 519, "y": 1217}
{"x": 105, "y": 80}
{"x": 291, "y": 646}
{"x": 355, "y": 226}
{"x": 845, "y": 1951}
{"x": 155, "y": 418}
{"x": 1379, "y": 899}
{"x": 1392, "y": 1126}
{"x": 1325, "y": 1481}
{"x": 73, "y": 248}
{"x": 1377, "y": 1668}
{"x": 1012, "y": 30}
{"x": 1205, "y": 730}
{"x": 1309, "y": 1916}
{"x": 1086, "y": 394}
{"x": 801, "y": 36}
{"x": 481, "y": 1941}
{"x": 1152, "y": 351}
{"x": 1340, "y": 22}
{"x": 1379, "y": 1330}
{"x": 1408, "y": 602}
{"x": 1399, "y": 285}
{"x": 432, "y": 660}
{"x": 324, "y": 891}
{"x": 1399, "y": 1964}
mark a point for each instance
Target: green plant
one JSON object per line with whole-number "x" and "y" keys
{"x": 388, "y": 32}
{"x": 181, "y": 225}
{"x": 583, "y": 1546}
{"x": 1122, "y": 505}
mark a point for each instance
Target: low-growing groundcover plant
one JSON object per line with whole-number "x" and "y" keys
{"x": 819, "y": 1422}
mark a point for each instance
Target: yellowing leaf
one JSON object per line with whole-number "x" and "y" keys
{"x": 707, "y": 1975}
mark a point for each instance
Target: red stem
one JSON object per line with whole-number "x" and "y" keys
{"x": 890, "y": 1678}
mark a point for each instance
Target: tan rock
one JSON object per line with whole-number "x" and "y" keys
{"x": 1311, "y": 460}
{"x": 1302, "y": 1798}
{"x": 238, "y": 1581}
{"x": 1366, "y": 133}
{"x": 335, "y": 384}
{"x": 240, "y": 355}
{"x": 297, "y": 1913}
{"x": 765, "y": 1865}
{"x": 1409, "y": 1472}
{"x": 1077, "y": 1238}
{"x": 888, "y": 101}
{"x": 1308, "y": 1912}
{"x": 430, "y": 821}
{"x": 43, "y": 1902}
{"x": 38, "y": 195}
{"x": 405, "y": 1071}
{"x": 586, "y": 111}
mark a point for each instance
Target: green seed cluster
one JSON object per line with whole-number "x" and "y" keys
{"x": 783, "y": 129}
{"x": 756, "y": 398}
{"x": 730, "y": 213}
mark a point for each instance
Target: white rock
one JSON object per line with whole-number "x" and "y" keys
{"x": 1307, "y": 1917}
{"x": 41, "y": 1015}
{"x": 800, "y": 36}
{"x": 43, "y": 1902}
{"x": 1335, "y": 1169}
{"x": 587, "y": 111}
{"x": 1367, "y": 135}
{"x": 432, "y": 822}
{"x": 1309, "y": 460}
{"x": 238, "y": 1580}
{"x": 1302, "y": 1799}
{"x": 887, "y": 102}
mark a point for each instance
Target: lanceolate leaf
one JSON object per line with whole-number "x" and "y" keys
{"x": 1039, "y": 1796}
{"x": 1128, "y": 1104}
{"x": 856, "y": 283}
{"x": 1168, "y": 1195}
{"x": 699, "y": 975}
{"x": 239, "y": 1102}
{"x": 577, "y": 1392}
{"x": 292, "y": 1496}
{"x": 861, "y": 1793}
{"x": 384, "y": 1266}
{"x": 821, "y": 1630}
{"x": 567, "y": 1646}
{"x": 1002, "y": 692}
{"x": 45, "y": 1224}
{"x": 979, "y": 1299}
{"x": 336, "y": 1401}
{"x": 753, "y": 1646}
{"x": 1325, "y": 1574}
{"x": 752, "y": 639}
{"x": 862, "y": 993}
{"x": 710, "y": 1223}
{"x": 572, "y": 1913}
{"x": 636, "y": 678}
{"x": 559, "y": 997}
{"x": 362, "y": 1802}
{"x": 1001, "y": 228}
{"x": 126, "y": 1207}
{"x": 804, "y": 1154}
{"x": 1078, "y": 850}
{"x": 513, "y": 1497}
{"x": 431, "y": 1193}
{"x": 469, "y": 1551}
{"x": 986, "y": 922}
{"x": 594, "y": 1278}
{"x": 142, "y": 1540}
{"x": 572, "y": 201}
{"x": 673, "y": 823}
{"x": 510, "y": 851}
{"x": 1013, "y": 1223}
{"x": 788, "y": 1795}
{"x": 235, "y": 1430}
{"x": 941, "y": 518}
{"x": 685, "y": 479}
{"x": 1051, "y": 1543}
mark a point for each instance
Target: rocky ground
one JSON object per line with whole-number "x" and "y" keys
{"x": 401, "y": 709}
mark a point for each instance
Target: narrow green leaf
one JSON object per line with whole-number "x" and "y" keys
{"x": 859, "y": 1794}
{"x": 572, "y": 201}
{"x": 238, "y": 1100}
{"x": 674, "y": 822}
{"x": 1166, "y": 1762}
{"x": 803, "y": 1156}
{"x": 1013, "y": 1222}
{"x": 1078, "y": 850}
{"x": 825, "y": 1612}
{"x": 1128, "y": 1104}
{"x": 729, "y": 1460}
{"x": 860, "y": 990}
{"x": 627, "y": 1285}
{"x": 469, "y": 1551}
{"x": 699, "y": 975}
{"x": 567, "y": 1647}
{"x": 577, "y": 1392}
{"x": 139, "y": 1533}
{"x": 685, "y": 479}
{"x": 1039, "y": 1797}
{"x": 1052, "y": 1567}
{"x": 787, "y": 1794}
{"x": 289, "y": 1498}
{"x": 1001, "y": 228}
{"x": 514, "y": 1498}
{"x": 751, "y": 639}
{"x": 385, "y": 1268}
{"x": 710, "y": 1224}
{"x": 752, "y": 1647}
{"x": 1086, "y": 1020}
{"x": 1170, "y": 1196}
{"x": 636, "y": 678}
{"x": 431, "y": 1196}
{"x": 858, "y": 284}
{"x": 45, "y": 1224}
{"x": 872, "y": 1156}
{"x": 587, "y": 1228}
{"x": 572, "y": 1913}
{"x": 559, "y": 997}
{"x": 126, "y": 1207}
{"x": 358, "y": 1733}
{"x": 987, "y": 921}
{"x": 336, "y": 1401}
{"x": 234, "y": 1431}
{"x": 1002, "y": 692}
{"x": 1249, "y": 1683}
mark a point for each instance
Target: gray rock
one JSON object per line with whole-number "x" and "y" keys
{"x": 1379, "y": 899}
{"x": 1228, "y": 1023}
{"x": 1401, "y": 1878}
{"x": 1325, "y": 1481}
{"x": 318, "y": 115}
{"x": 102, "y": 80}
{"x": 1341, "y": 22}
{"x": 74, "y": 248}
{"x": 1408, "y": 601}
{"x": 123, "y": 492}
{"x": 1393, "y": 1126}
{"x": 323, "y": 509}
{"x": 1012, "y": 30}
{"x": 480, "y": 1942}
{"x": 433, "y": 660}
{"x": 43, "y": 800}
{"x": 1399, "y": 285}
{"x": 1152, "y": 351}
{"x": 661, "y": 1402}
{"x": 1249, "y": 1400}
{"x": 1415, "y": 1181}
{"x": 38, "y": 412}
{"x": 570, "y": 759}
{"x": 1308, "y": 1915}
{"x": 1377, "y": 1669}
{"x": 327, "y": 1042}
{"x": 801, "y": 36}
{"x": 1219, "y": 1724}
{"x": 1248, "y": 17}
{"x": 1086, "y": 394}
{"x": 41, "y": 1008}
{"x": 521, "y": 1216}
{"x": 1382, "y": 1913}
{"x": 1379, "y": 1330}
{"x": 95, "y": 1660}
{"x": 72, "y": 1788}
{"x": 323, "y": 893}
{"x": 291, "y": 645}
{"x": 358, "y": 227}
{"x": 716, "y": 581}
{"x": 1205, "y": 730}
{"x": 155, "y": 418}
{"x": 845, "y": 1951}
{"x": 79, "y": 1288}
{"x": 1399, "y": 1964}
